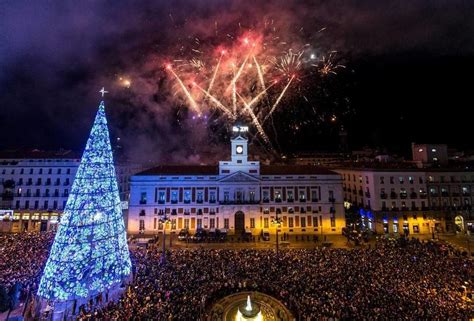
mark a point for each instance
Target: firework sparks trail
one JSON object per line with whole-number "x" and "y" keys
{"x": 215, "y": 101}
{"x": 215, "y": 72}
{"x": 278, "y": 99}
{"x": 185, "y": 90}
{"x": 255, "y": 120}
{"x": 259, "y": 72}
{"x": 257, "y": 98}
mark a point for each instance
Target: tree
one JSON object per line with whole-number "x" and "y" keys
{"x": 90, "y": 252}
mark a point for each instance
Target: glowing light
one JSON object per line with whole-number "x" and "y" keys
{"x": 90, "y": 252}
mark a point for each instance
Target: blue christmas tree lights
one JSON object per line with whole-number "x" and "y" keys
{"x": 90, "y": 252}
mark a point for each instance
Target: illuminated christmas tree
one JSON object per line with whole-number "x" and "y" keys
{"x": 90, "y": 252}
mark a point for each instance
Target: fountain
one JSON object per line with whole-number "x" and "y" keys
{"x": 249, "y": 312}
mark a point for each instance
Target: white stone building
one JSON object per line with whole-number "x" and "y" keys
{"x": 237, "y": 196}
{"x": 417, "y": 201}
{"x": 34, "y": 187}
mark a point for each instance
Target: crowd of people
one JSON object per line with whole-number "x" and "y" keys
{"x": 396, "y": 279}
{"x": 22, "y": 258}
{"x": 393, "y": 280}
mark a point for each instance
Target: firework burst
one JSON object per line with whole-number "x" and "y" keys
{"x": 246, "y": 77}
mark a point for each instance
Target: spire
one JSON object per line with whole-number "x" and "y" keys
{"x": 90, "y": 252}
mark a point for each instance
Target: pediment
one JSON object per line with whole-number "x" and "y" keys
{"x": 239, "y": 177}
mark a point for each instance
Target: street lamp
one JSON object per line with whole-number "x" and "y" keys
{"x": 164, "y": 220}
{"x": 277, "y": 222}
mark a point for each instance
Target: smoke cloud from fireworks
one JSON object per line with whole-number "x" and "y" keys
{"x": 56, "y": 54}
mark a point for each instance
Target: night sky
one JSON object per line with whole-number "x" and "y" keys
{"x": 407, "y": 76}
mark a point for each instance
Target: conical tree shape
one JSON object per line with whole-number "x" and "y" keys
{"x": 90, "y": 252}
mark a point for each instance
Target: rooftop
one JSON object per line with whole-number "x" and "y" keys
{"x": 38, "y": 154}
{"x": 214, "y": 170}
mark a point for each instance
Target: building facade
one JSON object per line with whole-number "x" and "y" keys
{"x": 35, "y": 185}
{"x": 410, "y": 200}
{"x": 237, "y": 196}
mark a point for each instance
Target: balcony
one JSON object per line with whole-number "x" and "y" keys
{"x": 395, "y": 209}
{"x": 161, "y": 201}
{"x": 278, "y": 200}
{"x": 212, "y": 213}
{"x": 302, "y": 200}
{"x": 433, "y": 194}
{"x": 142, "y": 202}
{"x": 332, "y": 200}
{"x": 444, "y": 194}
{"x": 455, "y": 194}
{"x": 265, "y": 200}
{"x": 212, "y": 201}
{"x": 230, "y": 202}
{"x": 199, "y": 201}
{"x": 290, "y": 200}
{"x": 414, "y": 208}
{"x": 413, "y": 195}
{"x": 423, "y": 195}
{"x": 403, "y": 195}
{"x": 393, "y": 195}
{"x": 367, "y": 194}
{"x": 384, "y": 208}
{"x": 174, "y": 201}
{"x": 383, "y": 196}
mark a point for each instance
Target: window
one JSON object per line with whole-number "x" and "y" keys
{"x": 266, "y": 196}
{"x": 187, "y": 196}
{"x": 186, "y": 223}
{"x": 290, "y": 222}
{"x": 226, "y": 223}
{"x": 212, "y": 197}
{"x": 302, "y": 195}
{"x": 199, "y": 223}
{"x": 410, "y": 179}
{"x": 367, "y": 179}
{"x": 226, "y": 196}
{"x": 314, "y": 195}
{"x": 174, "y": 196}
{"x": 59, "y": 171}
{"x": 252, "y": 196}
{"x": 252, "y": 223}
{"x": 277, "y": 196}
{"x": 199, "y": 196}
{"x": 265, "y": 222}
{"x": 303, "y": 221}
{"x": 400, "y": 179}
{"x": 142, "y": 225}
{"x": 142, "y": 213}
{"x": 315, "y": 221}
{"x": 68, "y": 171}
{"x": 392, "y": 180}
{"x": 289, "y": 195}
{"x": 212, "y": 223}
{"x": 143, "y": 198}
{"x": 161, "y": 197}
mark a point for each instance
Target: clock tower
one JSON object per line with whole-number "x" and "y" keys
{"x": 239, "y": 154}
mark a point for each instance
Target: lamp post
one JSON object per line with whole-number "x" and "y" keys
{"x": 277, "y": 222}
{"x": 164, "y": 220}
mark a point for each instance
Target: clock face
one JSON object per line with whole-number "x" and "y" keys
{"x": 239, "y": 149}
